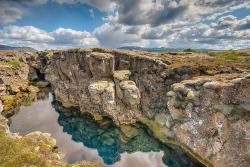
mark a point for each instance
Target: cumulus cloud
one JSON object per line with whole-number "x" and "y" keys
{"x": 40, "y": 39}
{"x": 8, "y": 13}
{"x": 10, "y": 10}
{"x": 71, "y": 37}
{"x": 26, "y": 33}
{"x": 176, "y": 23}
{"x": 103, "y": 5}
{"x": 243, "y": 24}
{"x": 142, "y": 12}
{"x": 243, "y": 5}
{"x": 114, "y": 36}
{"x": 224, "y": 22}
{"x": 221, "y": 33}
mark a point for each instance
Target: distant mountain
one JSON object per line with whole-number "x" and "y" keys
{"x": 162, "y": 49}
{"x": 22, "y": 49}
{"x": 151, "y": 49}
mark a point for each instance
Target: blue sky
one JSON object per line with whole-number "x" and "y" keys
{"x": 63, "y": 24}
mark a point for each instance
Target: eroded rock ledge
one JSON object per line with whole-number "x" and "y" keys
{"x": 206, "y": 115}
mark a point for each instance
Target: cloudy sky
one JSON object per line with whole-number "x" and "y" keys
{"x": 63, "y": 24}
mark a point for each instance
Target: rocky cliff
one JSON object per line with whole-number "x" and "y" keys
{"x": 199, "y": 102}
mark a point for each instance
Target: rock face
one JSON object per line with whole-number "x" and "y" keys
{"x": 206, "y": 115}
{"x": 122, "y": 85}
{"x": 210, "y": 117}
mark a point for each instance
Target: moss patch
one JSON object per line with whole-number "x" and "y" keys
{"x": 14, "y": 63}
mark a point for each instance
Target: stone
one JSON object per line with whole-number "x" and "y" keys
{"x": 122, "y": 75}
{"x": 237, "y": 80}
{"x": 129, "y": 131}
{"x": 171, "y": 94}
{"x": 247, "y": 76}
{"x": 211, "y": 85}
{"x": 101, "y": 65}
{"x": 42, "y": 84}
{"x": 33, "y": 89}
{"x": 225, "y": 109}
{"x": 14, "y": 90}
{"x": 32, "y": 76}
{"x": 178, "y": 87}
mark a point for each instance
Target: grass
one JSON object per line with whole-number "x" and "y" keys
{"x": 231, "y": 54}
{"x": 15, "y": 63}
{"x": 216, "y": 62}
{"x": 14, "y": 152}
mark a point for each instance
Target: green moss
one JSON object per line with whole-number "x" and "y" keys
{"x": 68, "y": 105}
{"x": 180, "y": 104}
{"x": 14, "y": 63}
{"x": 27, "y": 102}
{"x": 7, "y": 97}
{"x": 232, "y": 111}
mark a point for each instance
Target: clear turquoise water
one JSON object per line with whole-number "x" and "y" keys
{"x": 80, "y": 137}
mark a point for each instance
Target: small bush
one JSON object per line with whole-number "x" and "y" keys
{"x": 190, "y": 50}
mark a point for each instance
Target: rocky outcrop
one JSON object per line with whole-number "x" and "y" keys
{"x": 36, "y": 147}
{"x": 14, "y": 82}
{"x": 206, "y": 115}
{"x": 124, "y": 86}
{"x": 210, "y": 117}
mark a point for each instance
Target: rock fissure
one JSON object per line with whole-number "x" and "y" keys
{"x": 201, "y": 113}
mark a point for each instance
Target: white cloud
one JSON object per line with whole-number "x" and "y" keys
{"x": 111, "y": 36}
{"x": 26, "y": 33}
{"x": 8, "y": 13}
{"x": 103, "y": 5}
{"x": 92, "y": 14}
{"x": 40, "y": 39}
{"x": 73, "y": 38}
{"x": 243, "y": 5}
{"x": 10, "y": 10}
{"x": 176, "y": 23}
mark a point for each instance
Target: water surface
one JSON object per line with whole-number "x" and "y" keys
{"x": 80, "y": 137}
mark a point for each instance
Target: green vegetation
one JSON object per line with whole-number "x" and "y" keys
{"x": 27, "y": 102}
{"x": 231, "y": 54}
{"x": 7, "y": 97}
{"x": 34, "y": 149}
{"x": 68, "y": 105}
{"x": 14, "y": 152}
{"x": 14, "y": 63}
{"x": 190, "y": 50}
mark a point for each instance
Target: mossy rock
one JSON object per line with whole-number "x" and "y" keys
{"x": 232, "y": 111}
{"x": 68, "y": 105}
{"x": 129, "y": 131}
{"x": 180, "y": 104}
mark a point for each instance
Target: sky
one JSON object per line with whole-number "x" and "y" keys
{"x": 64, "y": 24}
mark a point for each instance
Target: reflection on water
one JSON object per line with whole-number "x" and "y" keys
{"x": 80, "y": 137}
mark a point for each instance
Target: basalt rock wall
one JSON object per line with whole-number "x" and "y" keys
{"x": 123, "y": 85}
{"x": 206, "y": 115}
